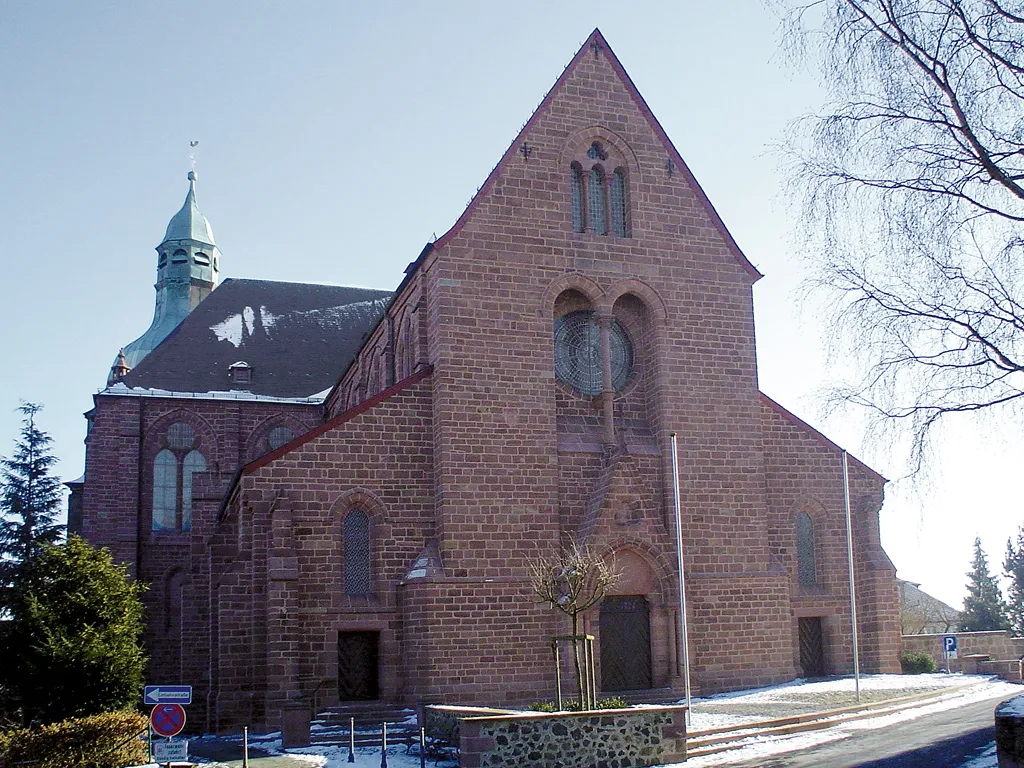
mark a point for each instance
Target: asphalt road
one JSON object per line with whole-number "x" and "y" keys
{"x": 944, "y": 740}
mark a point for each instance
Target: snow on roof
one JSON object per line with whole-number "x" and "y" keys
{"x": 122, "y": 390}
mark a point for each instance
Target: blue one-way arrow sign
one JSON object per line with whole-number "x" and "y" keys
{"x": 168, "y": 694}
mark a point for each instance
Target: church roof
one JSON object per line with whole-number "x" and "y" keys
{"x": 189, "y": 223}
{"x": 296, "y": 339}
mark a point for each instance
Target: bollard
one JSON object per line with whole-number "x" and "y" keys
{"x": 423, "y": 747}
{"x": 384, "y": 745}
{"x": 351, "y": 739}
{"x": 245, "y": 747}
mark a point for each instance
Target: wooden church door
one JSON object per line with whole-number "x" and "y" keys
{"x": 812, "y": 647}
{"x": 625, "y": 643}
{"x": 358, "y": 653}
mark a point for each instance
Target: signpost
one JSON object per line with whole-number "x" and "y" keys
{"x": 949, "y": 648}
{"x": 167, "y": 719}
{"x": 167, "y": 694}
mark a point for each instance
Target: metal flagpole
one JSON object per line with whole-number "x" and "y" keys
{"x": 853, "y": 593}
{"x": 682, "y": 577}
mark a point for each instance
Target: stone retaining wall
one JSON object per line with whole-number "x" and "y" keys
{"x": 999, "y": 646}
{"x": 611, "y": 738}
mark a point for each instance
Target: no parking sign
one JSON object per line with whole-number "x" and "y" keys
{"x": 167, "y": 719}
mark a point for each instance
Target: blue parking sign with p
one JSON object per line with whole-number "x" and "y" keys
{"x": 949, "y": 643}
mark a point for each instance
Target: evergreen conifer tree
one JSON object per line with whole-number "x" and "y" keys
{"x": 984, "y": 608}
{"x": 1013, "y": 567}
{"x": 72, "y": 637}
{"x": 30, "y": 498}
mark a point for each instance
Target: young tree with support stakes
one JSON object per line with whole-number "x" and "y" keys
{"x": 574, "y": 581}
{"x": 984, "y": 608}
{"x": 911, "y": 186}
{"x": 30, "y": 497}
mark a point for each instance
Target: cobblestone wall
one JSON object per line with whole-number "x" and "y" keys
{"x": 615, "y": 738}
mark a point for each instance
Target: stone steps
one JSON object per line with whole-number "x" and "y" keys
{"x": 332, "y": 725}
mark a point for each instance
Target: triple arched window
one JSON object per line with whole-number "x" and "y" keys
{"x": 173, "y": 469}
{"x": 599, "y": 199}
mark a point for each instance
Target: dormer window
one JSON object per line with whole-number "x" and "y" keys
{"x": 240, "y": 372}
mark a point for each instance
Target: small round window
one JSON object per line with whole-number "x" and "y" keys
{"x": 578, "y": 353}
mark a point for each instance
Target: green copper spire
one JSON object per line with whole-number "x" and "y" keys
{"x": 188, "y": 268}
{"x": 189, "y": 223}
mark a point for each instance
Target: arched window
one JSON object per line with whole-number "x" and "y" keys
{"x": 618, "y": 203}
{"x": 578, "y": 222}
{"x": 194, "y": 462}
{"x": 807, "y": 570}
{"x": 165, "y": 491}
{"x": 278, "y": 436}
{"x": 173, "y": 468}
{"x": 596, "y": 193}
{"x": 356, "y": 556}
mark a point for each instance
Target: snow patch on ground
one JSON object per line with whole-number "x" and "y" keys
{"x": 1013, "y": 707}
{"x": 761, "y": 746}
{"x": 986, "y": 759}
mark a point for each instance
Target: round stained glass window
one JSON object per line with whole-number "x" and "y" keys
{"x": 578, "y": 353}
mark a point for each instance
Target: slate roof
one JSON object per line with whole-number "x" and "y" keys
{"x": 297, "y": 338}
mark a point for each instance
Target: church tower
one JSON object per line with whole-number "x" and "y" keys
{"x": 187, "y": 270}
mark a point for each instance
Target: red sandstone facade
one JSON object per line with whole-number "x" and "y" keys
{"x": 469, "y": 455}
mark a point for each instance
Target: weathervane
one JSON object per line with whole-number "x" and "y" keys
{"x": 192, "y": 154}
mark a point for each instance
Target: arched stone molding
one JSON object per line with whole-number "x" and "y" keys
{"x": 650, "y": 298}
{"x": 571, "y": 282}
{"x": 812, "y": 507}
{"x": 818, "y": 516}
{"x": 572, "y": 145}
{"x": 662, "y": 571}
{"x": 206, "y": 436}
{"x": 253, "y": 444}
{"x": 380, "y": 533}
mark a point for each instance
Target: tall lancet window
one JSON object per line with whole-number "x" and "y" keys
{"x": 194, "y": 462}
{"x": 807, "y": 569}
{"x": 596, "y": 193}
{"x": 619, "y": 226}
{"x": 165, "y": 491}
{"x": 578, "y": 222}
{"x": 356, "y": 563}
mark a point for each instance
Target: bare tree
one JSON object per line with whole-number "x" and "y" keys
{"x": 573, "y": 581}
{"x": 910, "y": 183}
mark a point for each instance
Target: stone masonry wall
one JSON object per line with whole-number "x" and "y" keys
{"x": 804, "y": 474}
{"x": 285, "y": 529}
{"x": 999, "y": 645}
{"x": 615, "y": 738}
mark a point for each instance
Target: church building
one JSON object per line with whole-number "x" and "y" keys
{"x": 335, "y": 494}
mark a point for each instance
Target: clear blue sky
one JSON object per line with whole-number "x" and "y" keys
{"x": 336, "y": 138}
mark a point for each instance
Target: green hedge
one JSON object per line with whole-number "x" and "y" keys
{"x": 917, "y": 663}
{"x": 98, "y": 741}
{"x": 572, "y": 705}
